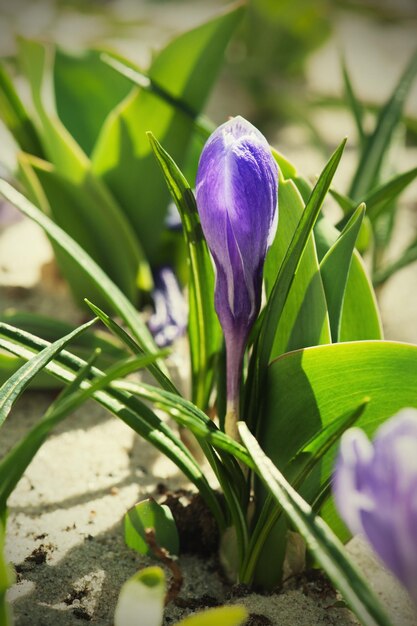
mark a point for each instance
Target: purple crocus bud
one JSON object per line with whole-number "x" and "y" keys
{"x": 375, "y": 489}
{"x": 236, "y": 191}
{"x": 169, "y": 320}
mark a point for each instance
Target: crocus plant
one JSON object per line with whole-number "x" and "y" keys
{"x": 375, "y": 489}
{"x": 237, "y": 196}
{"x": 305, "y": 360}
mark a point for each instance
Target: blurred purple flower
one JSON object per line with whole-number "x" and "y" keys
{"x": 169, "y": 320}
{"x": 236, "y": 191}
{"x": 375, "y": 489}
{"x": 8, "y": 214}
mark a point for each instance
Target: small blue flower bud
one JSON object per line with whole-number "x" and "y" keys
{"x": 375, "y": 490}
{"x": 169, "y": 320}
{"x": 236, "y": 191}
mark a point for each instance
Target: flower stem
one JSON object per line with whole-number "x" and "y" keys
{"x": 234, "y": 358}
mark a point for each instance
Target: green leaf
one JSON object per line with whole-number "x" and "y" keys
{"x": 188, "y": 415}
{"x": 353, "y": 103}
{"x": 7, "y": 577}
{"x": 86, "y": 91}
{"x": 409, "y": 255}
{"x": 90, "y": 216}
{"x": 186, "y": 68}
{"x": 125, "y": 406}
{"x": 141, "y": 599}
{"x": 296, "y": 471}
{"x": 61, "y": 149}
{"x": 16, "y": 384}
{"x": 324, "y": 545}
{"x": 377, "y": 144}
{"x": 15, "y": 462}
{"x": 148, "y": 514}
{"x": 360, "y": 315}
{"x": 204, "y": 328}
{"x": 140, "y": 78}
{"x": 380, "y": 198}
{"x": 117, "y": 330}
{"x": 76, "y": 393}
{"x": 283, "y": 282}
{"x": 304, "y": 319}
{"x": 334, "y": 269}
{"x": 224, "y": 615}
{"x": 324, "y": 382}
{"x": 15, "y": 116}
{"x": 110, "y": 291}
{"x": 51, "y": 330}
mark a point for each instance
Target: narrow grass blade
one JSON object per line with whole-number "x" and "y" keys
{"x": 125, "y": 406}
{"x": 378, "y": 199}
{"x": 353, "y": 102}
{"x": 13, "y": 387}
{"x": 204, "y": 328}
{"x": 367, "y": 173}
{"x": 133, "y": 345}
{"x": 325, "y": 546}
{"x": 15, "y": 462}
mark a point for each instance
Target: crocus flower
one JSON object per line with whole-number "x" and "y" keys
{"x": 236, "y": 192}
{"x": 169, "y": 320}
{"x": 375, "y": 489}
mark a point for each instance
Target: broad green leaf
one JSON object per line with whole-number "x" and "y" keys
{"x": 287, "y": 169}
{"x": 91, "y": 217}
{"x": 107, "y": 288}
{"x": 204, "y": 328}
{"x": 320, "y": 539}
{"x": 15, "y": 116}
{"x": 224, "y": 615}
{"x": 304, "y": 320}
{"x": 309, "y": 388}
{"x": 61, "y": 149}
{"x": 86, "y": 90}
{"x": 149, "y": 514}
{"x": 377, "y": 144}
{"x": 334, "y": 270}
{"x": 360, "y": 315}
{"x": 7, "y": 577}
{"x": 186, "y": 68}
{"x": 124, "y": 405}
{"x": 15, "y": 385}
{"x": 141, "y": 599}
{"x": 283, "y": 282}
{"x": 140, "y": 78}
